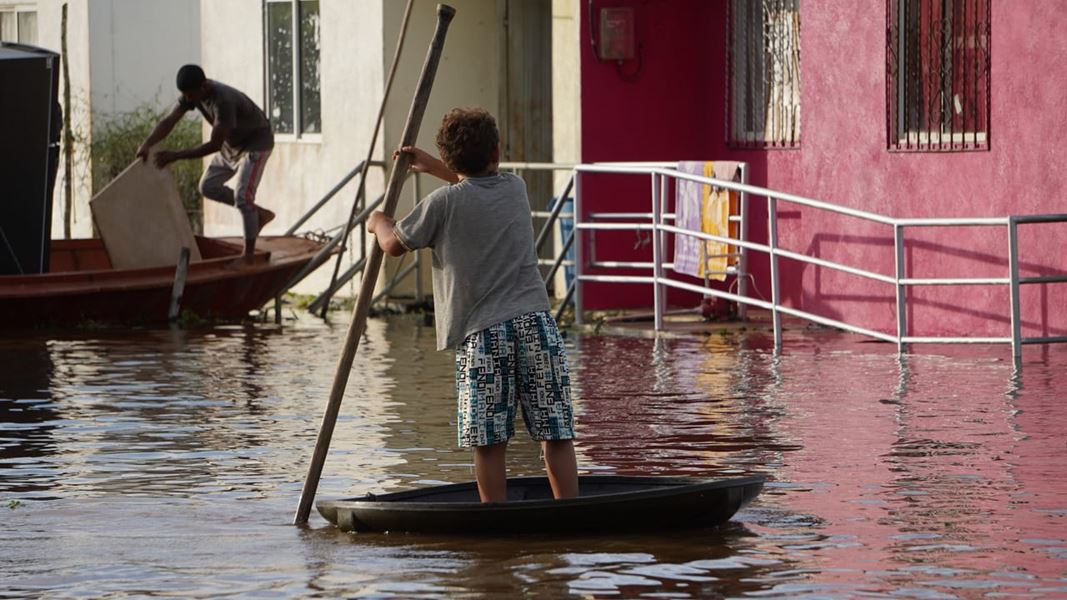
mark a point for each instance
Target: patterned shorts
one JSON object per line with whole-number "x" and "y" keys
{"x": 520, "y": 361}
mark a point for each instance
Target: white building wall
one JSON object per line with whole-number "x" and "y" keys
{"x": 566, "y": 85}
{"x": 136, "y": 48}
{"x": 566, "y": 100}
{"x": 358, "y": 39}
{"x": 301, "y": 170}
{"x": 231, "y": 50}
{"x": 122, "y": 54}
{"x": 49, "y": 35}
{"x": 468, "y": 75}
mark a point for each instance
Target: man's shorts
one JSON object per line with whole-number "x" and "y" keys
{"x": 520, "y": 361}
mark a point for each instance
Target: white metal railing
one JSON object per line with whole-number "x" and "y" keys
{"x": 659, "y": 174}
{"x": 551, "y": 219}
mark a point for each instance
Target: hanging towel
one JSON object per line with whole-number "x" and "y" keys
{"x": 687, "y": 201}
{"x": 703, "y": 208}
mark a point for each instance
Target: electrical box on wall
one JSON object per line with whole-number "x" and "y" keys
{"x": 617, "y": 33}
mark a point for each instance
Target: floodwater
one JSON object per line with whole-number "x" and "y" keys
{"x": 169, "y": 463}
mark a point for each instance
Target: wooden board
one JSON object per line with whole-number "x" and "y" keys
{"x": 141, "y": 219}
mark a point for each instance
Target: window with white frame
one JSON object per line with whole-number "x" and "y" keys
{"x": 292, "y": 66}
{"x": 18, "y": 26}
{"x": 764, "y": 78}
{"x": 937, "y": 74}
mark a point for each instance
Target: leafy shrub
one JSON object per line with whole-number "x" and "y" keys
{"x": 116, "y": 138}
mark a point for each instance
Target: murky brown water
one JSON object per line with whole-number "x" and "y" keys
{"x": 158, "y": 463}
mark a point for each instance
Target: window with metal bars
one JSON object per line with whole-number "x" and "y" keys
{"x": 292, "y": 66}
{"x": 937, "y": 74}
{"x": 763, "y": 101}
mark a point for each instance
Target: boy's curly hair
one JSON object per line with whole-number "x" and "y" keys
{"x": 467, "y": 139}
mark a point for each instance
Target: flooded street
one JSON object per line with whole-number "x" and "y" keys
{"x": 170, "y": 463}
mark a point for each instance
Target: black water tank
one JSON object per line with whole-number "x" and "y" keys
{"x": 29, "y": 153}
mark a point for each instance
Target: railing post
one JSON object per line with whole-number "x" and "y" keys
{"x": 663, "y": 197}
{"x": 657, "y": 257}
{"x": 1013, "y": 266}
{"x": 579, "y": 249}
{"x": 898, "y": 247}
{"x": 772, "y": 242}
{"x": 742, "y": 261}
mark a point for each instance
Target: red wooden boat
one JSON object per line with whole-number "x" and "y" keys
{"x": 82, "y": 286}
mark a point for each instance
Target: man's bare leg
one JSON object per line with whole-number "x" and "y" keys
{"x": 491, "y": 472}
{"x": 249, "y": 255}
{"x": 263, "y": 216}
{"x": 562, "y": 467}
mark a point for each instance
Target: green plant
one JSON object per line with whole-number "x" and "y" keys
{"x": 298, "y": 301}
{"x": 188, "y": 319}
{"x": 13, "y": 504}
{"x": 115, "y": 141}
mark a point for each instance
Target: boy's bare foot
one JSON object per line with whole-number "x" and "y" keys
{"x": 265, "y": 216}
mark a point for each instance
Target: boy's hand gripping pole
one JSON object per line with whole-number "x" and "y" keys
{"x": 374, "y": 263}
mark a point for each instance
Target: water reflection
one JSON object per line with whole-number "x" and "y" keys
{"x": 716, "y": 418}
{"x": 692, "y": 564}
{"x": 169, "y": 462}
{"x": 28, "y": 414}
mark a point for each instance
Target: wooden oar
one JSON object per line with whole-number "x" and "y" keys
{"x": 374, "y": 264}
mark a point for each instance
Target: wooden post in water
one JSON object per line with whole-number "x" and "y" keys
{"x": 179, "y": 285}
{"x": 374, "y": 264}
{"x": 68, "y": 136}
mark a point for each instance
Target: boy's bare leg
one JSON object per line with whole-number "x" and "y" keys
{"x": 491, "y": 472}
{"x": 562, "y": 467}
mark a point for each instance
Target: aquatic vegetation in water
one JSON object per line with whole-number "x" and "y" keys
{"x": 13, "y": 504}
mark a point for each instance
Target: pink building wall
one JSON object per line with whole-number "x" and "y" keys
{"x": 672, "y": 107}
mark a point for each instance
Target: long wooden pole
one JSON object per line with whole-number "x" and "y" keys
{"x": 370, "y": 155}
{"x": 374, "y": 264}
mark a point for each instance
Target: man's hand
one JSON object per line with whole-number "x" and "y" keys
{"x": 165, "y": 157}
{"x": 142, "y": 152}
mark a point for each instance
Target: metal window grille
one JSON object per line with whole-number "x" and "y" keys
{"x": 763, "y": 97}
{"x": 937, "y": 74}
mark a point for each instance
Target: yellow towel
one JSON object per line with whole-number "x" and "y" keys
{"x": 717, "y": 205}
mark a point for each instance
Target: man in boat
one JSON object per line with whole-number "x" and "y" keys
{"x": 241, "y": 135}
{"x": 489, "y": 302}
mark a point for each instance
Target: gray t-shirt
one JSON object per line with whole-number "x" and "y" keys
{"x": 250, "y": 130}
{"x": 484, "y": 264}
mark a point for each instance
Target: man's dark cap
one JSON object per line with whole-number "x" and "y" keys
{"x": 190, "y": 77}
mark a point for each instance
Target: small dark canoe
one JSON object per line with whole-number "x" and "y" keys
{"x": 607, "y": 503}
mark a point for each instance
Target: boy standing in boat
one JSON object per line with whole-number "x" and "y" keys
{"x": 490, "y": 303}
{"x": 241, "y": 135}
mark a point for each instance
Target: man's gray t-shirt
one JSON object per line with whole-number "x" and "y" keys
{"x": 484, "y": 264}
{"x": 249, "y": 128}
